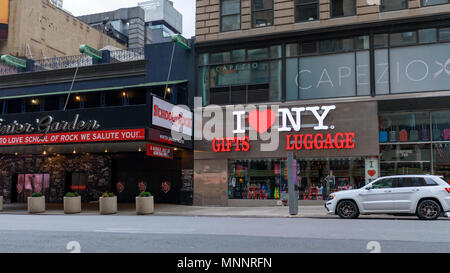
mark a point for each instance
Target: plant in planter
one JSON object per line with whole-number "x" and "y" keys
{"x": 144, "y": 203}
{"x": 36, "y": 203}
{"x": 72, "y": 203}
{"x": 108, "y": 203}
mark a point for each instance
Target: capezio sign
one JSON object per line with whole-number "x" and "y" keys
{"x": 291, "y": 120}
{"x": 172, "y": 117}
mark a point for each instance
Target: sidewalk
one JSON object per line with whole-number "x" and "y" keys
{"x": 180, "y": 210}
{"x": 310, "y": 211}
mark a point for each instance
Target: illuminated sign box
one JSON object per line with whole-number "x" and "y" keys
{"x": 159, "y": 151}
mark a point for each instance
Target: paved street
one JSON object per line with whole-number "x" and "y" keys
{"x": 168, "y": 234}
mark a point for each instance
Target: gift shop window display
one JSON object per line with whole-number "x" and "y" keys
{"x": 320, "y": 177}
{"x": 415, "y": 143}
{"x": 263, "y": 179}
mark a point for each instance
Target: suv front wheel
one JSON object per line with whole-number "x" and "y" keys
{"x": 428, "y": 210}
{"x": 347, "y": 209}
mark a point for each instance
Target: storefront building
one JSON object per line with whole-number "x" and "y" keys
{"x": 384, "y": 69}
{"x": 111, "y": 133}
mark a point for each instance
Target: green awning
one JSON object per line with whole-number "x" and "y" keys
{"x": 96, "y": 89}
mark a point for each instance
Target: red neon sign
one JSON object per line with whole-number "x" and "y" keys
{"x": 74, "y": 137}
{"x": 320, "y": 141}
{"x": 226, "y": 144}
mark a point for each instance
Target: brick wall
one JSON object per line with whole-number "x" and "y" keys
{"x": 208, "y": 18}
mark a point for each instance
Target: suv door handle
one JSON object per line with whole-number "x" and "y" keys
{"x": 387, "y": 191}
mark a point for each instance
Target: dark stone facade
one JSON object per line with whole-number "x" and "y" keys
{"x": 97, "y": 168}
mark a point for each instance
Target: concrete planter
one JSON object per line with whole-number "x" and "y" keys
{"x": 36, "y": 204}
{"x": 72, "y": 205}
{"x": 1, "y": 203}
{"x": 108, "y": 205}
{"x": 144, "y": 205}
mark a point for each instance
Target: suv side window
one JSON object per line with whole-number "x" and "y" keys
{"x": 416, "y": 182}
{"x": 430, "y": 182}
{"x": 384, "y": 184}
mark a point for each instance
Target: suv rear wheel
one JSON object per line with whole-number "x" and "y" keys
{"x": 428, "y": 210}
{"x": 347, "y": 209}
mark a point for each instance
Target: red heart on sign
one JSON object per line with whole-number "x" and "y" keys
{"x": 261, "y": 121}
{"x": 372, "y": 172}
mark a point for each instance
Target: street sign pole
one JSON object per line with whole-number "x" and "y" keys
{"x": 292, "y": 185}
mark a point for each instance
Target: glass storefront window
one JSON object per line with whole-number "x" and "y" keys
{"x": 238, "y": 55}
{"x": 292, "y": 50}
{"x": 275, "y": 52}
{"x": 362, "y": 43}
{"x": 411, "y": 127}
{"x": 427, "y": 35}
{"x": 219, "y": 58}
{"x": 309, "y": 47}
{"x": 441, "y": 126}
{"x": 403, "y": 38}
{"x": 256, "y": 179}
{"x": 381, "y": 40}
{"x": 441, "y": 156}
{"x": 403, "y": 159}
{"x": 258, "y": 54}
{"x": 266, "y": 179}
{"x": 444, "y": 34}
{"x": 275, "y": 80}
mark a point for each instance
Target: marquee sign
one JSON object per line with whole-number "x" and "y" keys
{"x": 46, "y": 125}
{"x": 74, "y": 137}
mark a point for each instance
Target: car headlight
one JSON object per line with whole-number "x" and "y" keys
{"x": 331, "y": 197}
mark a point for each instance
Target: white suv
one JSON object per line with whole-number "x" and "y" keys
{"x": 426, "y": 196}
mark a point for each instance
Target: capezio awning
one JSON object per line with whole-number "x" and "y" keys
{"x": 150, "y": 84}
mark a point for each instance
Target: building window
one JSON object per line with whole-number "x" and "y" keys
{"x": 33, "y": 105}
{"x": 340, "y": 8}
{"x": 390, "y": 5}
{"x": 230, "y": 15}
{"x": 52, "y": 103}
{"x": 306, "y": 10}
{"x": 427, "y": 35}
{"x": 444, "y": 34}
{"x": 262, "y": 13}
{"x": 114, "y": 98}
{"x": 403, "y": 38}
{"x": 434, "y": 2}
{"x": 15, "y": 106}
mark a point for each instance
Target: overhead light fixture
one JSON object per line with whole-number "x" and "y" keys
{"x": 168, "y": 90}
{"x": 77, "y": 98}
{"x": 124, "y": 94}
{"x": 140, "y": 150}
{"x": 16, "y": 153}
{"x": 106, "y": 150}
{"x": 74, "y": 151}
{"x": 44, "y": 152}
{"x": 35, "y": 101}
